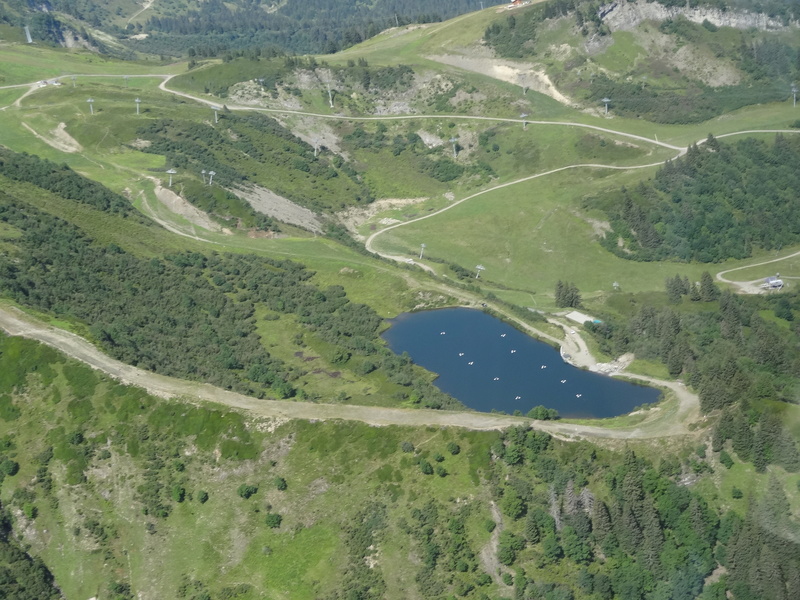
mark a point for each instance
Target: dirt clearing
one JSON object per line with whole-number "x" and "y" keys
{"x": 508, "y": 71}
{"x": 181, "y": 206}
{"x": 58, "y": 138}
{"x": 354, "y": 217}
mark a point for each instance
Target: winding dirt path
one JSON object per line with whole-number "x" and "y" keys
{"x": 285, "y": 111}
{"x": 31, "y": 88}
{"x": 147, "y": 4}
{"x": 752, "y": 287}
{"x": 15, "y": 322}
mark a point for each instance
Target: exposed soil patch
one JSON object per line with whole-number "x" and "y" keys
{"x": 180, "y": 206}
{"x": 688, "y": 59}
{"x": 488, "y": 553}
{"x": 331, "y": 374}
{"x": 716, "y": 574}
{"x": 429, "y": 139}
{"x": 355, "y": 216}
{"x": 697, "y": 64}
{"x": 271, "y": 204}
{"x": 615, "y": 366}
{"x": 251, "y": 93}
{"x": 508, "y": 71}
{"x": 60, "y": 134}
{"x": 463, "y": 96}
{"x": 58, "y": 138}
{"x": 258, "y": 234}
{"x": 317, "y": 487}
{"x": 314, "y": 133}
{"x": 429, "y": 300}
{"x": 140, "y": 144}
{"x": 399, "y": 107}
{"x": 269, "y": 425}
{"x": 599, "y": 228}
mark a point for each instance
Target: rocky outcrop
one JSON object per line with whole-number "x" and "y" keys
{"x": 627, "y": 15}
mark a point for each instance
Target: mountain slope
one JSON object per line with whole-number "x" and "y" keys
{"x": 164, "y": 499}
{"x": 660, "y": 63}
{"x": 172, "y": 27}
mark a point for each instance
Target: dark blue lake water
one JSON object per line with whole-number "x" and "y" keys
{"x": 487, "y": 364}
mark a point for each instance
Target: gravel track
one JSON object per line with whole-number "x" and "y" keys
{"x": 16, "y": 323}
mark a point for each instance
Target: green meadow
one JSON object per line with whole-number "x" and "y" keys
{"x": 530, "y": 235}
{"x": 23, "y": 64}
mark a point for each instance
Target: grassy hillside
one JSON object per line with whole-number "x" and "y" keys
{"x": 116, "y": 471}
{"x": 160, "y": 498}
{"x": 23, "y": 64}
{"x": 124, "y": 27}
{"x": 408, "y": 158}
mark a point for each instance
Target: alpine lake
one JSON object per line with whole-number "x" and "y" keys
{"x": 488, "y": 365}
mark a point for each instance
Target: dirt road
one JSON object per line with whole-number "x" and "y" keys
{"x": 751, "y": 287}
{"x": 335, "y": 117}
{"x": 15, "y": 322}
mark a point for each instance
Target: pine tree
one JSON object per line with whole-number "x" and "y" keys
{"x": 783, "y": 310}
{"x": 531, "y": 529}
{"x": 551, "y": 548}
{"x": 704, "y": 521}
{"x": 731, "y": 324}
{"x": 712, "y": 143}
{"x": 601, "y": 521}
{"x": 560, "y": 293}
{"x": 774, "y": 584}
{"x": 708, "y": 290}
{"x": 629, "y": 531}
{"x": 674, "y": 288}
{"x": 574, "y": 296}
{"x": 723, "y": 430}
{"x": 574, "y": 548}
{"x": 742, "y": 439}
{"x": 760, "y": 450}
{"x": 633, "y": 493}
{"x": 677, "y": 358}
{"x": 653, "y": 540}
{"x": 512, "y": 505}
{"x": 567, "y": 295}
